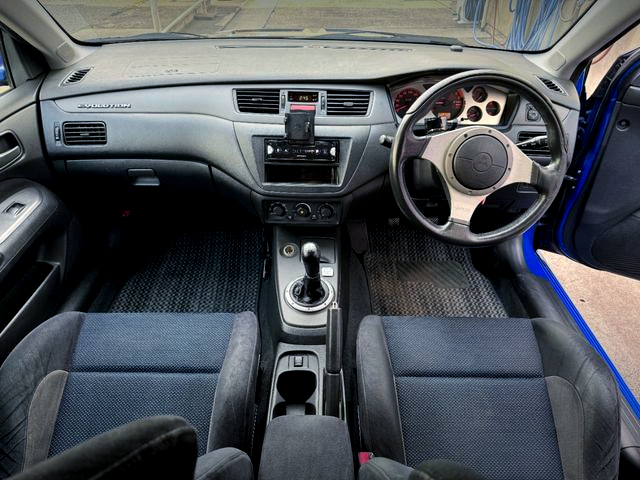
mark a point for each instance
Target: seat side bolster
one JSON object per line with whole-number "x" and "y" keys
{"x": 47, "y": 348}
{"x": 153, "y": 447}
{"x": 41, "y": 420}
{"x": 378, "y": 399}
{"x": 568, "y": 417}
{"x": 232, "y": 415}
{"x": 567, "y": 355}
{"x": 224, "y": 463}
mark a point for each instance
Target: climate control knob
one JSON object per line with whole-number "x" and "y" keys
{"x": 303, "y": 210}
{"x": 326, "y": 211}
{"x": 277, "y": 210}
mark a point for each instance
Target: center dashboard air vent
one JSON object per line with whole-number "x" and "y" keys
{"x": 264, "y": 100}
{"x": 84, "y": 133}
{"x": 348, "y": 102}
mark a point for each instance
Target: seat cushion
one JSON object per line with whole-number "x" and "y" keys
{"x": 476, "y": 391}
{"x": 79, "y": 375}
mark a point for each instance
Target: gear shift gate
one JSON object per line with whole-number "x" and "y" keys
{"x": 309, "y": 293}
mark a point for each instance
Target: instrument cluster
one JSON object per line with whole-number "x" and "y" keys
{"x": 477, "y": 104}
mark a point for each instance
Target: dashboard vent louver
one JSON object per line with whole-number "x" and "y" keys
{"x": 551, "y": 85}
{"x": 84, "y": 133}
{"x": 76, "y": 76}
{"x": 348, "y": 102}
{"x": 258, "y": 100}
{"x": 540, "y": 150}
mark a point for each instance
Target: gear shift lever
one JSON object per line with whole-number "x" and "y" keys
{"x": 309, "y": 290}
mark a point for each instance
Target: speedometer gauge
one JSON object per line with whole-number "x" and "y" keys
{"x": 404, "y": 99}
{"x": 450, "y": 106}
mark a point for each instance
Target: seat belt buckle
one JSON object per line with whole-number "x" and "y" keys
{"x": 364, "y": 457}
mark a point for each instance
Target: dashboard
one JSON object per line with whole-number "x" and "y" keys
{"x": 199, "y": 116}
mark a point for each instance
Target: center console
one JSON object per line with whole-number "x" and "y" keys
{"x": 307, "y": 435}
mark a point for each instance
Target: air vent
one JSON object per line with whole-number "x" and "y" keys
{"x": 551, "y": 85}
{"x": 348, "y": 102}
{"x": 84, "y": 133}
{"x": 540, "y": 149}
{"x": 76, "y": 76}
{"x": 258, "y": 100}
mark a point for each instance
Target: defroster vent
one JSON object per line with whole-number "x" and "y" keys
{"x": 76, "y": 76}
{"x": 348, "y": 102}
{"x": 551, "y": 85}
{"x": 258, "y": 100}
{"x": 84, "y": 133}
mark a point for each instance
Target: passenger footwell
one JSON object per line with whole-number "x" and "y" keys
{"x": 208, "y": 271}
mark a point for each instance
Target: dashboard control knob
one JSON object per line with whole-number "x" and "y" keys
{"x": 326, "y": 211}
{"x": 277, "y": 210}
{"x": 303, "y": 210}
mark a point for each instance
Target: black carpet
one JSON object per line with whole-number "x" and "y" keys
{"x": 209, "y": 271}
{"x": 411, "y": 273}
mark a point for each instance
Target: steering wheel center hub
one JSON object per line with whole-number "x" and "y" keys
{"x": 480, "y": 162}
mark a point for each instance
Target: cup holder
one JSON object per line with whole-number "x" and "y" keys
{"x": 296, "y": 391}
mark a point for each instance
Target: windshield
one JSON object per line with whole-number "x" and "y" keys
{"x": 523, "y": 25}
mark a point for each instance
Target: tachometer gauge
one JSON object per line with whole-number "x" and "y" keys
{"x": 404, "y": 99}
{"x": 450, "y": 106}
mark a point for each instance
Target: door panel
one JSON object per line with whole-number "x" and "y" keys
{"x": 601, "y": 227}
{"x": 38, "y": 241}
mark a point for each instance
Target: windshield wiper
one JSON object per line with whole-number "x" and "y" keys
{"x": 339, "y": 34}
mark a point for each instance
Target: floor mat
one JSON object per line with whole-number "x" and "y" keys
{"x": 411, "y": 273}
{"x": 210, "y": 271}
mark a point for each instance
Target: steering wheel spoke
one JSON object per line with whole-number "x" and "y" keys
{"x": 525, "y": 170}
{"x": 436, "y": 148}
{"x": 462, "y": 206}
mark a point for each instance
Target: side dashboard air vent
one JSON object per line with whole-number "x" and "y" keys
{"x": 75, "y": 77}
{"x": 84, "y": 133}
{"x": 539, "y": 149}
{"x": 551, "y": 85}
{"x": 258, "y": 100}
{"x": 348, "y": 102}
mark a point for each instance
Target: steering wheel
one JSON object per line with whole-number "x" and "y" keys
{"x": 475, "y": 161}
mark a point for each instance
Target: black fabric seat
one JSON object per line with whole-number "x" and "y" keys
{"x": 508, "y": 398}
{"x": 79, "y": 375}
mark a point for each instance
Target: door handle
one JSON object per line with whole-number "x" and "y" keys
{"x": 10, "y": 148}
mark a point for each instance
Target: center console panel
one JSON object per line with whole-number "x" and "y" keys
{"x": 298, "y": 384}
{"x": 301, "y": 212}
{"x": 288, "y": 267}
{"x": 313, "y": 447}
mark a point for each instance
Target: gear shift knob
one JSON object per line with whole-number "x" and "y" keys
{"x": 309, "y": 293}
{"x": 311, "y": 259}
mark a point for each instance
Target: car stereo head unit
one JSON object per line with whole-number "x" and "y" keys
{"x": 280, "y": 149}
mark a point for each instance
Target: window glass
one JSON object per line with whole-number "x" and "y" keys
{"x": 4, "y": 77}
{"x": 603, "y": 61}
{"x": 521, "y": 25}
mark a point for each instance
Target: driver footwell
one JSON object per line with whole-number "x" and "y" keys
{"x": 411, "y": 273}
